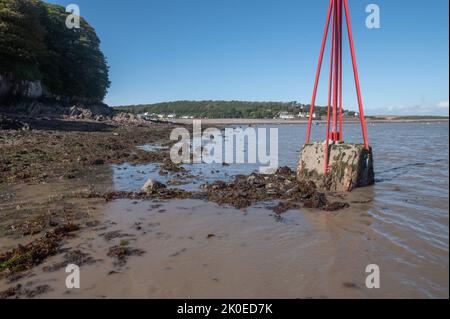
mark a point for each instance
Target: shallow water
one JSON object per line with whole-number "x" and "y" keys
{"x": 403, "y": 227}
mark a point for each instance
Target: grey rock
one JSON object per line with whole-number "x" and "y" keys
{"x": 152, "y": 186}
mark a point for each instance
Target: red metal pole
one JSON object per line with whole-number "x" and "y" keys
{"x": 340, "y": 75}
{"x": 355, "y": 72}
{"x": 330, "y": 90}
{"x": 319, "y": 67}
{"x": 336, "y": 69}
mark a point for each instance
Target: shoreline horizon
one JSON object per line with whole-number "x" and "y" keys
{"x": 301, "y": 122}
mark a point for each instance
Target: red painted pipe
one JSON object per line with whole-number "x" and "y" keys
{"x": 340, "y": 75}
{"x": 336, "y": 68}
{"x": 330, "y": 90}
{"x": 355, "y": 72}
{"x": 335, "y": 98}
{"x": 319, "y": 67}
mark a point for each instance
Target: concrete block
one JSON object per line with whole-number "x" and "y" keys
{"x": 351, "y": 166}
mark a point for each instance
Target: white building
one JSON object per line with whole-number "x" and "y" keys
{"x": 286, "y": 116}
{"x": 306, "y": 115}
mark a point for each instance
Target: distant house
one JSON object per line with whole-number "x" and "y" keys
{"x": 171, "y": 116}
{"x": 286, "y": 116}
{"x": 306, "y": 115}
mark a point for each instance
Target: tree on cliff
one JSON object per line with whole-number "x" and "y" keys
{"x": 35, "y": 44}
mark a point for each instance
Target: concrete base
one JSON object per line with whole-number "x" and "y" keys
{"x": 351, "y": 166}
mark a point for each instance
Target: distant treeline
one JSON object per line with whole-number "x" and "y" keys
{"x": 223, "y": 109}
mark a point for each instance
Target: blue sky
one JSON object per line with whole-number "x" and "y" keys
{"x": 267, "y": 50}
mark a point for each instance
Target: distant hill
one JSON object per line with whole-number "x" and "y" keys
{"x": 223, "y": 109}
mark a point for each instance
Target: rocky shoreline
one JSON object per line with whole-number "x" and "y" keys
{"x": 25, "y": 112}
{"x": 77, "y": 150}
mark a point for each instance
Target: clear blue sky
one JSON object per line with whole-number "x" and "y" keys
{"x": 165, "y": 50}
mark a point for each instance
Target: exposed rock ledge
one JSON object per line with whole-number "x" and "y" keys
{"x": 14, "y": 114}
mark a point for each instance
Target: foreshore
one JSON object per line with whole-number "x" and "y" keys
{"x": 302, "y": 122}
{"x": 57, "y": 184}
{"x": 70, "y": 193}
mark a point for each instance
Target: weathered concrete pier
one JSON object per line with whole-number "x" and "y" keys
{"x": 350, "y": 166}
{"x": 334, "y": 165}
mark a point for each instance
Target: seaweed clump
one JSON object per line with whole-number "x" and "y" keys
{"x": 283, "y": 185}
{"x": 121, "y": 254}
{"x": 21, "y": 291}
{"x": 76, "y": 257}
{"x": 26, "y": 257}
{"x": 162, "y": 193}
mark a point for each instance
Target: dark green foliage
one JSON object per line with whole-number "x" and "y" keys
{"x": 35, "y": 44}
{"x": 223, "y": 109}
{"x": 21, "y": 38}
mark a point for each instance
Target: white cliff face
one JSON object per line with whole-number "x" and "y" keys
{"x": 27, "y": 101}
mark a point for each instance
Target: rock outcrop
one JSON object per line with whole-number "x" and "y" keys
{"x": 20, "y": 88}
{"x": 59, "y": 109}
{"x": 96, "y": 112}
{"x": 12, "y": 124}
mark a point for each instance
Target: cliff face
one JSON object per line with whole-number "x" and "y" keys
{"x": 20, "y": 88}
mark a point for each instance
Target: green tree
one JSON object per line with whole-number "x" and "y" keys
{"x": 22, "y": 46}
{"x": 35, "y": 44}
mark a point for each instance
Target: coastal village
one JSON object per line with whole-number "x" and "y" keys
{"x": 301, "y": 114}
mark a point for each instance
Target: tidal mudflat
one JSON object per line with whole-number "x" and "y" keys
{"x": 74, "y": 197}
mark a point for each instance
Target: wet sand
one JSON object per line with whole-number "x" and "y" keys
{"x": 195, "y": 249}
